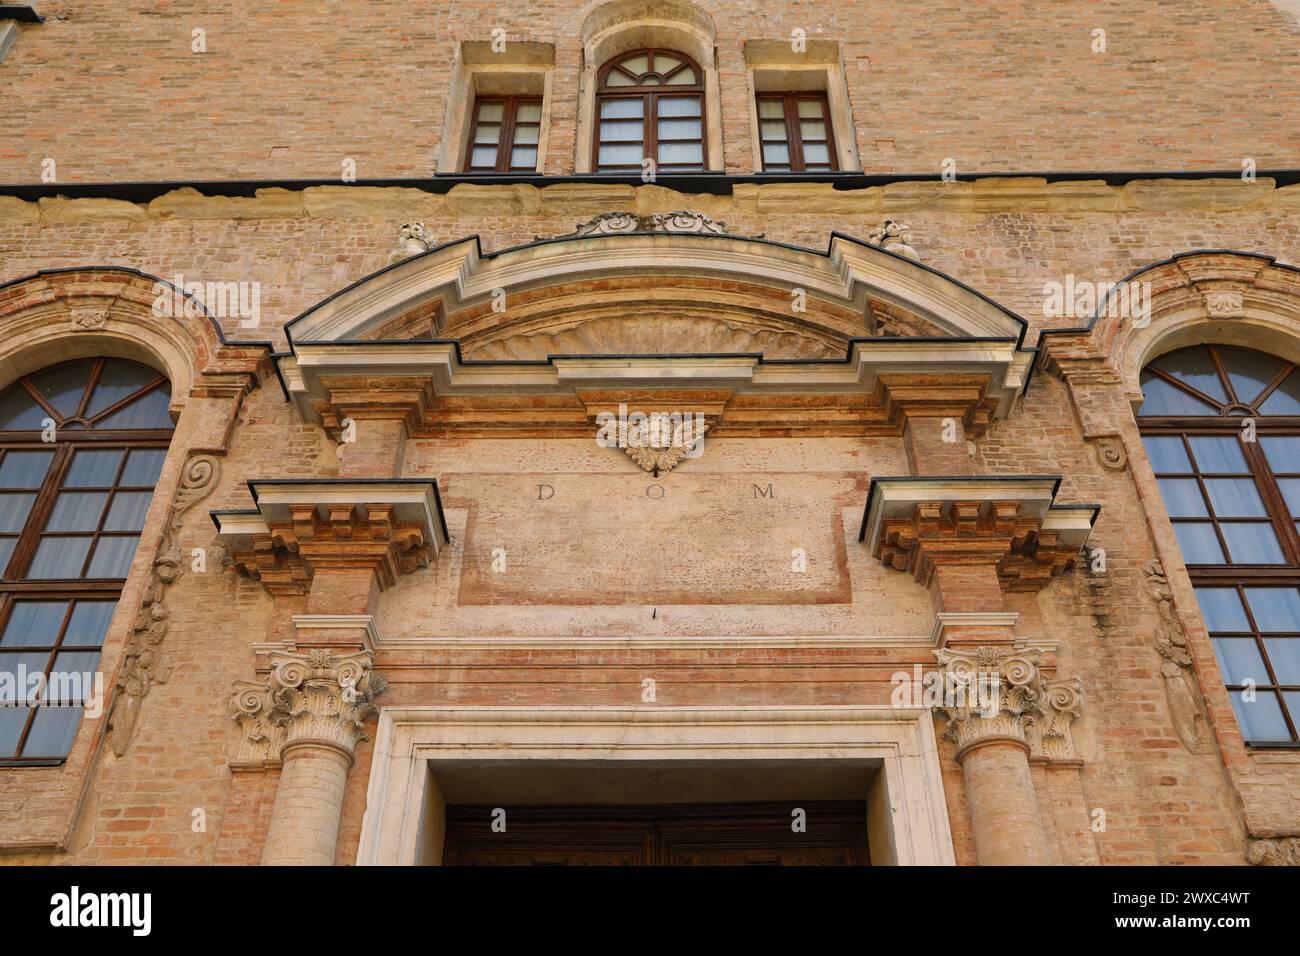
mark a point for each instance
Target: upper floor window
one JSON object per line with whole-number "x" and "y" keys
{"x": 650, "y": 105}
{"x": 504, "y": 134}
{"x": 1221, "y": 426}
{"x": 81, "y": 447}
{"x": 795, "y": 132}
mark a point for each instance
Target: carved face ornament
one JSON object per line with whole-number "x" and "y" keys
{"x": 659, "y": 442}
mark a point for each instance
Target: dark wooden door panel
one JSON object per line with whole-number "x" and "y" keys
{"x": 752, "y": 834}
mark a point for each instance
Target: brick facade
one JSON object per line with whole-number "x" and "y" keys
{"x": 665, "y": 583}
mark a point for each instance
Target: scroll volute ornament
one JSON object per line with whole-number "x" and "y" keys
{"x": 1007, "y": 697}
{"x": 315, "y": 698}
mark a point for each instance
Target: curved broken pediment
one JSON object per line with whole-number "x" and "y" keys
{"x": 853, "y": 290}
{"x": 530, "y": 340}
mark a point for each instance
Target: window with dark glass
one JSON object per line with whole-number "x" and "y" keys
{"x": 794, "y": 130}
{"x": 504, "y": 135}
{"x": 1221, "y": 426}
{"x": 81, "y": 448}
{"x": 650, "y": 105}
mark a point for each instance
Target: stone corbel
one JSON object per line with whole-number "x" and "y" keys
{"x": 917, "y": 524}
{"x": 316, "y": 698}
{"x": 390, "y": 527}
{"x": 963, "y": 398}
{"x": 401, "y": 398}
{"x": 1003, "y": 694}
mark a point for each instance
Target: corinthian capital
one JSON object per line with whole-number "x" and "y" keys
{"x": 996, "y": 693}
{"x": 310, "y": 698}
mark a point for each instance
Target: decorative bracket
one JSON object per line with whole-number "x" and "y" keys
{"x": 917, "y": 524}
{"x": 391, "y": 526}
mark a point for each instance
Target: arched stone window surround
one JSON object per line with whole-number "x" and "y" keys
{"x": 620, "y": 26}
{"x": 1218, "y": 297}
{"x": 970, "y": 338}
{"x": 58, "y": 315}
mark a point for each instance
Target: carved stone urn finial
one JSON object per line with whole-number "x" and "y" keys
{"x": 411, "y": 242}
{"x": 894, "y": 236}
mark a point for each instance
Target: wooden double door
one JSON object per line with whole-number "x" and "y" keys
{"x": 744, "y": 834}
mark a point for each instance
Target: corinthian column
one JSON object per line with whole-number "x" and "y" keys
{"x": 311, "y": 709}
{"x": 1000, "y": 708}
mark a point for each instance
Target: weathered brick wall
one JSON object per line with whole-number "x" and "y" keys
{"x": 997, "y": 86}
{"x": 112, "y": 92}
{"x": 1003, "y": 237}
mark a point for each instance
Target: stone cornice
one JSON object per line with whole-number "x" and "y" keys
{"x": 432, "y": 388}
{"x": 300, "y": 527}
{"x": 1012, "y": 522}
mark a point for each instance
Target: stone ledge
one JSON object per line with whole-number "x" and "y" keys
{"x": 986, "y": 195}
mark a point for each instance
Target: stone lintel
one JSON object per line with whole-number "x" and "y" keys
{"x": 403, "y": 398}
{"x": 963, "y": 397}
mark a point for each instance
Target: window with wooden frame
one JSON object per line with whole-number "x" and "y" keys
{"x": 81, "y": 447}
{"x": 1221, "y": 426}
{"x": 795, "y": 134}
{"x": 504, "y": 134}
{"x": 650, "y": 105}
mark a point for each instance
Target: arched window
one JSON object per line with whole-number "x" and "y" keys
{"x": 1221, "y": 426}
{"x": 81, "y": 448}
{"x": 650, "y": 105}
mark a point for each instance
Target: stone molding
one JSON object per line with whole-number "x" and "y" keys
{"x": 314, "y": 698}
{"x": 966, "y": 619}
{"x": 901, "y": 740}
{"x": 1259, "y": 296}
{"x": 973, "y": 337}
{"x": 1013, "y": 522}
{"x": 437, "y": 393}
{"x": 1024, "y": 706}
{"x": 964, "y": 398}
{"x": 390, "y": 527}
{"x": 1280, "y": 851}
{"x": 373, "y": 398}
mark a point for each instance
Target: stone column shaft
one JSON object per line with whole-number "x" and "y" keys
{"x": 308, "y": 803}
{"x": 1006, "y": 820}
{"x": 309, "y": 713}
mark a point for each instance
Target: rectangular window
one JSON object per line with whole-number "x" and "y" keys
{"x": 1213, "y": 500}
{"x": 504, "y": 134}
{"x": 1256, "y": 637}
{"x": 795, "y": 133}
{"x": 49, "y": 654}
